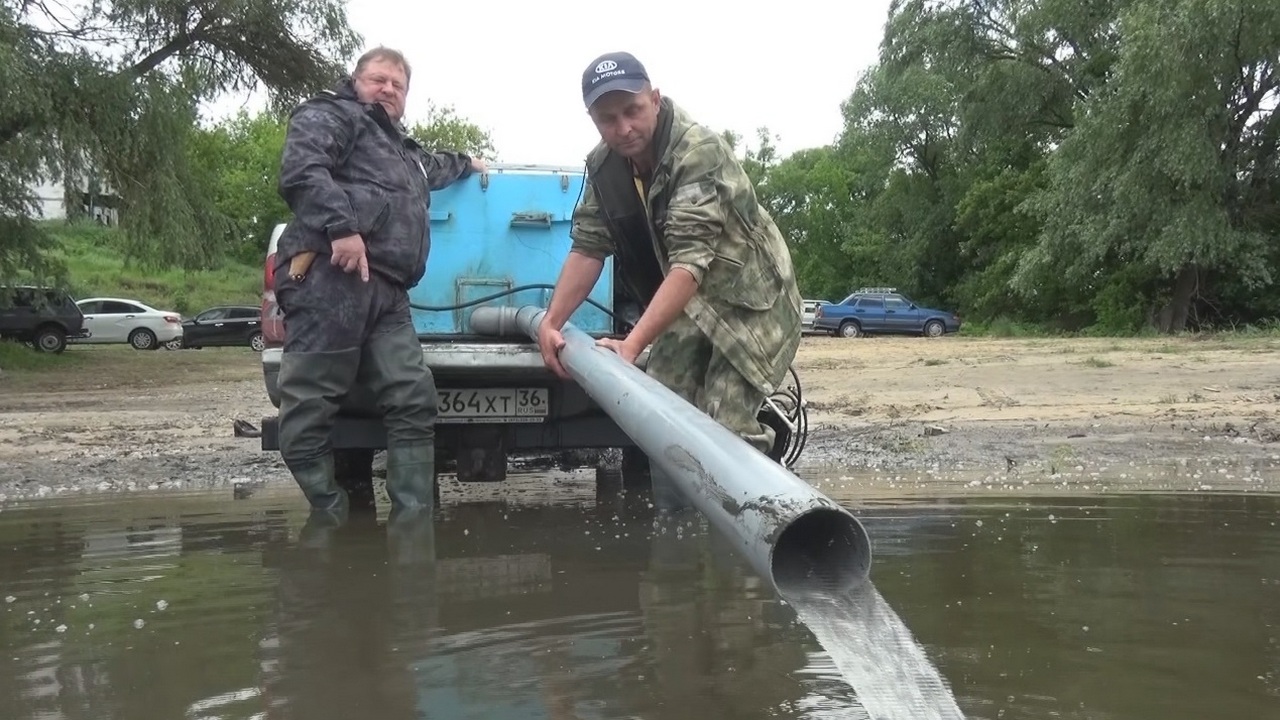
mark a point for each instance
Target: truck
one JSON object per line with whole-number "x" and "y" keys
{"x": 498, "y": 238}
{"x": 43, "y": 317}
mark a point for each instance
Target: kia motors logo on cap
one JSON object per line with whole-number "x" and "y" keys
{"x": 612, "y": 71}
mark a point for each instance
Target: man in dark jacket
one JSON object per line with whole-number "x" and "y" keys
{"x": 359, "y": 189}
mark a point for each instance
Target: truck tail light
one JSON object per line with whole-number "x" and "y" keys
{"x": 269, "y": 274}
{"x": 271, "y": 322}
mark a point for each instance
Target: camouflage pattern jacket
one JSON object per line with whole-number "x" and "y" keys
{"x": 348, "y": 169}
{"x": 702, "y": 216}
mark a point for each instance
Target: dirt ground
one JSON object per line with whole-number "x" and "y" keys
{"x": 1150, "y": 414}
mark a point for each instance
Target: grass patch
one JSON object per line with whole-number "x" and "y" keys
{"x": 119, "y": 367}
{"x": 1005, "y": 328}
{"x": 16, "y": 357}
{"x": 96, "y": 267}
{"x": 1002, "y": 327}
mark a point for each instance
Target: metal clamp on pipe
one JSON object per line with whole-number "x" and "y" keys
{"x": 794, "y": 536}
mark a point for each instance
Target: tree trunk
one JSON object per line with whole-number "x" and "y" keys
{"x": 1172, "y": 318}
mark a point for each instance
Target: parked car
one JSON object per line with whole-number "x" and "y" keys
{"x": 118, "y": 320}
{"x": 810, "y": 310}
{"x": 883, "y": 311}
{"x": 41, "y": 316}
{"x": 224, "y": 326}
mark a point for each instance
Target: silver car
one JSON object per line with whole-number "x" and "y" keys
{"x": 810, "y": 307}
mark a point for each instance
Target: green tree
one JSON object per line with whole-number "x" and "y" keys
{"x": 810, "y": 195}
{"x": 758, "y": 160}
{"x": 1107, "y": 163}
{"x": 445, "y": 129}
{"x": 129, "y": 115}
{"x": 1171, "y": 169}
{"x": 240, "y": 163}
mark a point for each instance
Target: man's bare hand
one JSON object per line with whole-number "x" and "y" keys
{"x": 478, "y": 165}
{"x": 622, "y": 347}
{"x": 551, "y": 342}
{"x": 348, "y": 254}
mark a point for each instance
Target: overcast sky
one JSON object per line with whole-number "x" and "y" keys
{"x": 517, "y": 72}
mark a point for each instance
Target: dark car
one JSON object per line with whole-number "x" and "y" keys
{"x": 224, "y": 326}
{"x": 44, "y": 317}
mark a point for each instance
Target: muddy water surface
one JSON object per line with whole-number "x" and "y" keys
{"x": 200, "y": 606}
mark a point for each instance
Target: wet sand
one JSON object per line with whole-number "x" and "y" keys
{"x": 891, "y": 413}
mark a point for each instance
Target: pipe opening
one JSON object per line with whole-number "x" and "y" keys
{"x": 823, "y": 550}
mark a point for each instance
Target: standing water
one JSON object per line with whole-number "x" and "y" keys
{"x": 578, "y": 607}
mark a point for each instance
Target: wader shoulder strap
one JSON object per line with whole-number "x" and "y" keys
{"x": 628, "y": 223}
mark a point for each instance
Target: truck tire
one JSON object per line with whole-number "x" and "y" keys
{"x": 353, "y": 471}
{"x": 49, "y": 339}
{"x": 635, "y": 469}
{"x": 633, "y": 458}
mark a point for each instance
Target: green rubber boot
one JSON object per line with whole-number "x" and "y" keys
{"x": 411, "y": 476}
{"x": 316, "y": 480}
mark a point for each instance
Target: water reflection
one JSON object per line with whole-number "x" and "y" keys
{"x": 1136, "y": 607}
{"x": 354, "y": 604}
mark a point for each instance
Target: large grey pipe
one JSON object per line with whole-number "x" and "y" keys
{"x": 794, "y": 536}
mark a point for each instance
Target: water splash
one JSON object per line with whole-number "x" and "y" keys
{"x": 877, "y": 654}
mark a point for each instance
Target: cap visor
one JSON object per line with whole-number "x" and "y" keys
{"x": 631, "y": 85}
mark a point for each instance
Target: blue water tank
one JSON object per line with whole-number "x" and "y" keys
{"x": 496, "y": 232}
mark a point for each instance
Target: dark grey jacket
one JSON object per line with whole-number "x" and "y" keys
{"x": 348, "y": 169}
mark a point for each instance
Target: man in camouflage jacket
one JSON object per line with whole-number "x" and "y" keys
{"x": 666, "y": 197}
{"x": 359, "y": 189}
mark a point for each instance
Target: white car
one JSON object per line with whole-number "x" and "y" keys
{"x": 810, "y": 310}
{"x": 118, "y": 320}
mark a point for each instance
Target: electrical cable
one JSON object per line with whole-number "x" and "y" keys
{"x": 512, "y": 291}
{"x": 788, "y": 405}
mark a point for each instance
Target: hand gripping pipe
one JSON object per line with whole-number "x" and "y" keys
{"x": 792, "y": 535}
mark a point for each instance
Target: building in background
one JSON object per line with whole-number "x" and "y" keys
{"x": 92, "y": 201}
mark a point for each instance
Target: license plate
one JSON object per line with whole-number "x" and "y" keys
{"x": 487, "y": 405}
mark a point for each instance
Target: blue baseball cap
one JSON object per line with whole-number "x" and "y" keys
{"x": 612, "y": 71}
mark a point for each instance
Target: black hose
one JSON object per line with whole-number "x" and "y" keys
{"x": 791, "y": 403}
{"x": 512, "y": 291}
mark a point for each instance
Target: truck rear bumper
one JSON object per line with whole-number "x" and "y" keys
{"x": 573, "y": 419}
{"x": 452, "y": 362}
{"x": 592, "y": 432}
{"x": 516, "y": 361}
